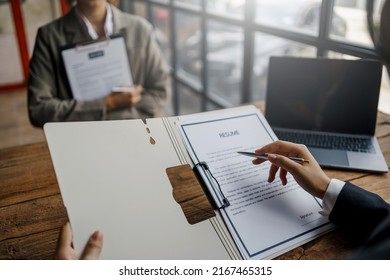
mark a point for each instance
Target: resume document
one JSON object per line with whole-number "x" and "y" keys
{"x": 263, "y": 218}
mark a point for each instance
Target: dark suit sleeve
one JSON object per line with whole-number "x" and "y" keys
{"x": 359, "y": 212}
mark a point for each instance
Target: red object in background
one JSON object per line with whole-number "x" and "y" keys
{"x": 22, "y": 42}
{"x": 64, "y": 6}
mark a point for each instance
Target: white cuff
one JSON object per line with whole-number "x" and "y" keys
{"x": 330, "y": 197}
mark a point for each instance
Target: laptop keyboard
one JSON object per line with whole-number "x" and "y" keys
{"x": 353, "y": 144}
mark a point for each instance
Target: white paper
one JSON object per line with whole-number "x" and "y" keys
{"x": 94, "y": 69}
{"x": 264, "y": 218}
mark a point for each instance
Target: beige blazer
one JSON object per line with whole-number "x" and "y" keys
{"x": 49, "y": 94}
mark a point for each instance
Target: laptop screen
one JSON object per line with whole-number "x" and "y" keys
{"x": 320, "y": 94}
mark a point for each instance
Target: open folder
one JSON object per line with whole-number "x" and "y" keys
{"x": 114, "y": 176}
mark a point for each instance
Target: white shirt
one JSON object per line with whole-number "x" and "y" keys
{"x": 330, "y": 197}
{"x": 108, "y": 24}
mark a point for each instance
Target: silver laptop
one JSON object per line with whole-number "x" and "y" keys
{"x": 330, "y": 105}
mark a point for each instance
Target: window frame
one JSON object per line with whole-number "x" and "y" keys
{"x": 323, "y": 43}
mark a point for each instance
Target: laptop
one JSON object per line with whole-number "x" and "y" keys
{"x": 330, "y": 105}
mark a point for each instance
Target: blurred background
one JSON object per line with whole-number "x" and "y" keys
{"x": 218, "y": 50}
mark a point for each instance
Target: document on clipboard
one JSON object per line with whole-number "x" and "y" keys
{"x": 265, "y": 219}
{"x": 95, "y": 67}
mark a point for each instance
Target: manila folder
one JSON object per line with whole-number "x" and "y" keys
{"x": 112, "y": 177}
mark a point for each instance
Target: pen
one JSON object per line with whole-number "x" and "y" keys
{"x": 265, "y": 157}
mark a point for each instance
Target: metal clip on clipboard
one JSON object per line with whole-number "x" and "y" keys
{"x": 82, "y": 46}
{"x": 218, "y": 198}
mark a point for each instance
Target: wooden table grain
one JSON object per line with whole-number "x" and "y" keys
{"x": 32, "y": 211}
{"x": 31, "y": 208}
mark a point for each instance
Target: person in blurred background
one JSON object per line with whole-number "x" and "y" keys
{"x": 49, "y": 95}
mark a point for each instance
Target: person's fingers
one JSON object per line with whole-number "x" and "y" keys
{"x": 138, "y": 88}
{"x": 257, "y": 161}
{"x": 279, "y": 147}
{"x": 272, "y": 172}
{"x": 135, "y": 95}
{"x": 285, "y": 165}
{"x": 283, "y": 162}
{"x": 135, "y": 98}
{"x": 94, "y": 247}
{"x": 64, "y": 244}
{"x": 283, "y": 148}
{"x": 65, "y": 239}
{"x": 309, "y": 176}
{"x": 283, "y": 176}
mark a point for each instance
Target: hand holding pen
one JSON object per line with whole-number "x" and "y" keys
{"x": 265, "y": 157}
{"x": 306, "y": 171}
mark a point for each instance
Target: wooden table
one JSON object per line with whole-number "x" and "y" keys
{"x": 32, "y": 211}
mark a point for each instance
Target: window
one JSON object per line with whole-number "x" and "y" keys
{"x": 219, "y": 49}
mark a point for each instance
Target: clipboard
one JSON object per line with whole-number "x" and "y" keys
{"x": 94, "y": 67}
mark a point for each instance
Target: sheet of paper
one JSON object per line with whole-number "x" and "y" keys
{"x": 263, "y": 218}
{"x": 94, "y": 69}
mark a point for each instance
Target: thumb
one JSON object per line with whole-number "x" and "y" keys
{"x": 93, "y": 247}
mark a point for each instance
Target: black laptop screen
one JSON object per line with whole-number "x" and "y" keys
{"x": 320, "y": 94}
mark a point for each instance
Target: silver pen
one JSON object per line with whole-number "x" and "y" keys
{"x": 265, "y": 156}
